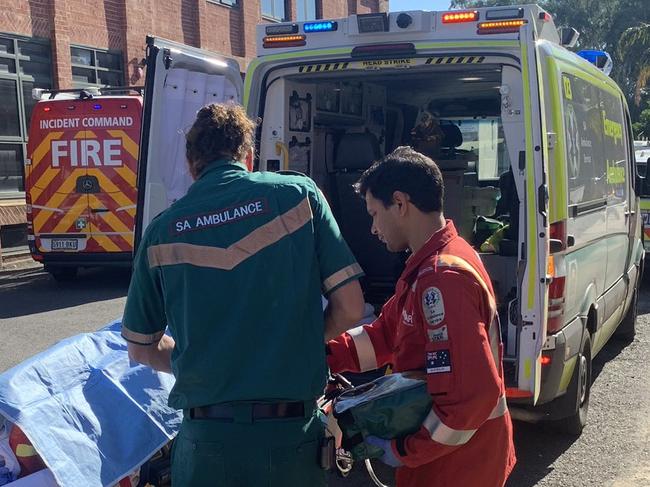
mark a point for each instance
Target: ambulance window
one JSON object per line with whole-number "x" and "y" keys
{"x": 583, "y": 129}
{"x": 615, "y": 150}
{"x": 484, "y": 140}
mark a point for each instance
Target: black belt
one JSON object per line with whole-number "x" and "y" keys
{"x": 258, "y": 410}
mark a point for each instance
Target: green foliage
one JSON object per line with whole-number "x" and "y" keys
{"x": 642, "y": 127}
{"x": 618, "y": 26}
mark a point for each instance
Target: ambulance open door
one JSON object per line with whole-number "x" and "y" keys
{"x": 180, "y": 80}
{"x": 531, "y": 164}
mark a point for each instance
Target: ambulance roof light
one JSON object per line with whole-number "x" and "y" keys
{"x": 294, "y": 40}
{"x": 376, "y": 22}
{"x": 500, "y": 26}
{"x": 325, "y": 26}
{"x": 600, "y": 59}
{"x": 457, "y": 17}
{"x": 505, "y": 13}
{"x": 282, "y": 29}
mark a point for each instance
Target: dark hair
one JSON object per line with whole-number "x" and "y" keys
{"x": 407, "y": 171}
{"x": 220, "y": 131}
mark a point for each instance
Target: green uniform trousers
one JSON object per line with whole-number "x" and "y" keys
{"x": 261, "y": 453}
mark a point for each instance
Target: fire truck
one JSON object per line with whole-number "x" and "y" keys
{"x": 80, "y": 178}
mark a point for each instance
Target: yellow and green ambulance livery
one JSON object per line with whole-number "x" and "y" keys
{"x": 534, "y": 144}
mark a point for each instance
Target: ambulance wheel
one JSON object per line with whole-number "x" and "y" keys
{"x": 579, "y": 389}
{"x": 627, "y": 329}
{"x": 63, "y": 274}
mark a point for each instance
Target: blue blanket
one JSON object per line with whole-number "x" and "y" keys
{"x": 93, "y": 416}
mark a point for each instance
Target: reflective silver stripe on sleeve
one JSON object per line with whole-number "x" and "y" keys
{"x": 500, "y": 409}
{"x": 365, "y": 350}
{"x": 443, "y": 434}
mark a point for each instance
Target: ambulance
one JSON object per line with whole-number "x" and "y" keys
{"x": 80, "y": 179}
{"x": 536, "y": 149}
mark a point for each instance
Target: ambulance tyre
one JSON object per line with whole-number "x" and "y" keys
{"x": 580, "y": 389}
{"x": 62, "y": 274}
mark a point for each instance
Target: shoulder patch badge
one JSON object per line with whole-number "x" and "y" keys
{"x": 433, "y": 306}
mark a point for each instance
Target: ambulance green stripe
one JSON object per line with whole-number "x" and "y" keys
{"x": 531, "y": 255}
{"x": 558, "y": 210}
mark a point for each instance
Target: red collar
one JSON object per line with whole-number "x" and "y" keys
{"x": 438, "y": 240}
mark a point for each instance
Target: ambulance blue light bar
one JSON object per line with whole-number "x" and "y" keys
{"x": 327, "y": 26}
{"x": 600, "y": 59}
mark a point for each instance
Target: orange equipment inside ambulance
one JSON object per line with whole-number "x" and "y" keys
{"x": 80, "y": 179}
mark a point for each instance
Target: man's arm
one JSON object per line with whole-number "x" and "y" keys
{"x": 344, "y": 309}
{"x": 158, "y": 355}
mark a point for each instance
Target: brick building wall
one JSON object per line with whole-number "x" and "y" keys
{"x": 122, "y": 25}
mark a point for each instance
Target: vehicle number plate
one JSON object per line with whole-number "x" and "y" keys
{"x": 65, "y": 244}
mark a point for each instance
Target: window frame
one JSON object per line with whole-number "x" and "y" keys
{"x": 225, "y": 3}
{"x": 272, "y": 17}
{"x": 19, "y": 78}
{"x": 95, "y": 68}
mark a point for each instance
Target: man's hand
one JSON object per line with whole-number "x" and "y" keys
{"x": 389, "y": 457}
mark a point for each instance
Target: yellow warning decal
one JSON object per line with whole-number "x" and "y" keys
{"x": 455, "y": 60}
{"x": 320, "y": 68}
{"x": 388, "y": 63}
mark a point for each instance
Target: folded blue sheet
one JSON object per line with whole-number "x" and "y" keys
{"x": 93, "y": 416}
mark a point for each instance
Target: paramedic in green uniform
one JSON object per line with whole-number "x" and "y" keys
{"x": 236, "y": 269}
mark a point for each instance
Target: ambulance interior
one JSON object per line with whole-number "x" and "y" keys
{"x": 333, "y": 125}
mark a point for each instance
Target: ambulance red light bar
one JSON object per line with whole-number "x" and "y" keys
{"x": 284, "y": 41}
{"x": 458, "y": 17}
{"x": 500, "y": 26}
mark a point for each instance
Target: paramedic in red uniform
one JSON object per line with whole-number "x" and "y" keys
{"x": 441, "y": 324}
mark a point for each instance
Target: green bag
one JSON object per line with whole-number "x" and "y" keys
{"x": 388, "y": 407}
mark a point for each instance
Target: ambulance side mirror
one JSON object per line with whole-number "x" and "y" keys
{"x": 568, "y": 37}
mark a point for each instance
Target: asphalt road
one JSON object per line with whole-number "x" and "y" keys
{"x": 613, "y": 451}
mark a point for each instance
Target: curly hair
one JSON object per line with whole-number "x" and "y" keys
{"x": 220, "y": 131}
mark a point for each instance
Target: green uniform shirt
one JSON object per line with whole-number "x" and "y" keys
{"x": 236, "y": 269}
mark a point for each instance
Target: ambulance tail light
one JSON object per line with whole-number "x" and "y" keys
{"x": 514, "y": 393}
{"x": 400, "y": 49}
{"x": 546, "y": 360}
{"x": 458, "y": 17}
{"x": 500, "y": 26}
{"x": 295, "y": 40}
{"x": 557, "y": 273}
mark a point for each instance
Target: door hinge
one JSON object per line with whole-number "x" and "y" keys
{"x": 551, "y": 139}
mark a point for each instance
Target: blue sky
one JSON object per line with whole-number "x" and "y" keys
{"x": 397, "y": 5}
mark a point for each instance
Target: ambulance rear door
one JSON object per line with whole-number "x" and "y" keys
{"x": 55, "y": 176}
{"x": 531, "y": 169}
{"x": 112, "y": 139}
{"x": 180, "y": 80}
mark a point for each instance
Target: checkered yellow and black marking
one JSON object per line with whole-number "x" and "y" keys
{"x": 455, "y": 60}
{"x": 321, "y": 68}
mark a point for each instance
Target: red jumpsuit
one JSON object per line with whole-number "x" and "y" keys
{"x": 442, "y": 321}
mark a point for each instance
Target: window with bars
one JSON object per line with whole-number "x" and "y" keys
{"x": 95, "y": 67}
{"x": 25, "y": 63}
{"x": 273, "y": 9}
